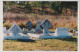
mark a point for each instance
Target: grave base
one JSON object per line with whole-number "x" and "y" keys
{"x": 41, "y": 36}
{"x": 40, "y": 32}
{"x": 12, "y": 37}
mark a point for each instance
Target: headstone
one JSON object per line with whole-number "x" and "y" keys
{"x": 29, "y": 25}
{"x": 24, "y": 31}
{"x": 15, "y": 29}
{"x": 4, "y": 29}
{"x": 38, "y": 28}
{"x": 61, "y": 32}
{"x": 46, "y": 25}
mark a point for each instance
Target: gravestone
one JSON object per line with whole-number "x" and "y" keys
{"x": 4, "y": 29}
{"x": 15, "y": 29}
{"x": 29, "y": 25}
{"x": 15, "y": 32}
{"x": 38, "y": 28}
{"x": 46, "y": 25}
{"x": 24, "y": 30}
{"x": 61, "y": 31}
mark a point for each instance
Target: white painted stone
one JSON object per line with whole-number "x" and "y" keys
{"x": 15, "y": 32}
{"x": 15, "y": 29}
{"x": 22, "y": 36}
{"x": 41, "y": 36}
{"x": 5, "y": 31}
{"x": 62, "y": 32}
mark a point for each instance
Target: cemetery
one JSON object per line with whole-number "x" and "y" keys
{"x": 15, "y": 32}
{"x": 37, "y": 39}
{"x": 40, "y": 26}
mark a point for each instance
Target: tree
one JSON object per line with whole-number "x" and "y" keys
{"x": 28, "y": 6}
{"x": 56, "y": 6}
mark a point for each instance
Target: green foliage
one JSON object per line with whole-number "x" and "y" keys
{"x": 28, "y": 6}
{"x": 70, "y": 5}
{"x": 9, "y": 3}
{"x": 7, "y": 26}
{"x": 21, "y": 2}
{"x": 56, "y": 6}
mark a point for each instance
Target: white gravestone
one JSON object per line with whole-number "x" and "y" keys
{"x": 15, "y": 29}
{"x": 38, "y": 28}
{"x": 5, "y": 32}
{"x": 4, "y": 29}
{"x": 15, "y": 33}
{"x": 24, "y": 30}
{"x": 46, "y": 25}
{"x": 61, "y": 32}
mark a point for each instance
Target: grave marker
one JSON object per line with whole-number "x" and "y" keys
{"x": 4, "y": 29}
{"x": 15, "y": 29}
{"x": 38, "y": 28}
{"x": 24, "y": 30}
{"x": 46, "y": 25}
{"x": 61, "y": 31}
{"x": 29, "y": 25}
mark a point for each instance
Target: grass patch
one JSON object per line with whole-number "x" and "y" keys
{"x": 62, "y": 44}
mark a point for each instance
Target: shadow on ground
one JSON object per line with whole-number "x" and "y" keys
{"x": 23, "y": 40}
{"x": 68, "y": 39}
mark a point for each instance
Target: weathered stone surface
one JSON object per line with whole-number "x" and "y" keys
{"x": 24, "y": 31}
{"x": 38, "y": 28}
{"x": 46, "y": 25}
{"x": 29, "y": 25}
{"x": 15, "y": 32}
{"x": 15, "y": 29}
{"x": 4, "y": 29}
{"x": 61, "y": 31}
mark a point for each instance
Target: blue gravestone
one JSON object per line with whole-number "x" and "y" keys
{"x": 15, "y": 29}
{"x": 29, "y": 25}
{"x": 46, "y": 25}
{"x": 38, "y": 28}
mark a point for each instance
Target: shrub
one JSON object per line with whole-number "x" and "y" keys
{"x": 7, "y": 25}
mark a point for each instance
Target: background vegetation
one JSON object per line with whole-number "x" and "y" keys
{"x": 56, "y": 12}
{"x": 42, "y": 6}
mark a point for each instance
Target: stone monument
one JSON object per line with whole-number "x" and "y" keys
{"x": 38, "y": 28}
{"x": 62, "y": 32}
{"x": 46, "y": 25}
{"x": 15, "y": 32}
{"x": 4, "y": 29}
{"x": 29, "y": 25}
{"x": 59, "y": 33}
{"x": 15, "y": 29}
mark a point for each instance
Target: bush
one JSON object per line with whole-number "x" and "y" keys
{"x": 7, "y": 25}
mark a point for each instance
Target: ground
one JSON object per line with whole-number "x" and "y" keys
{"x": 61, "y": 44}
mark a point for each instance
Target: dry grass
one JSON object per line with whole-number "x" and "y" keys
{"x": 57, "y": 21}
{"x": 69, "y": 44}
